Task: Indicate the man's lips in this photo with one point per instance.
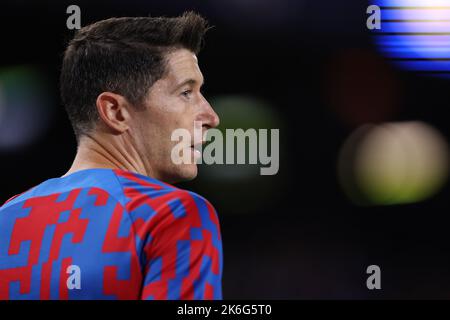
(197, 146)
(196, 149)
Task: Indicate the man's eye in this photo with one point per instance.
(186, 93)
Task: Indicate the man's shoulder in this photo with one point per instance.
(81, 183)
(135, 185)
(146, 196)
(138, 194)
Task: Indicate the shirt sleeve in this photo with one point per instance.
(183, 251)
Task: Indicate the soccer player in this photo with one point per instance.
(113, 227)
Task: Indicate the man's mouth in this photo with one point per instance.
(196, 149)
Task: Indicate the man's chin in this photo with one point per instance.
(185, 172)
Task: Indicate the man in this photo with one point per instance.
(111, 227)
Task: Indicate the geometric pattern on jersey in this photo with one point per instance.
(130, 236)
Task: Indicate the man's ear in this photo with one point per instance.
(113, 110)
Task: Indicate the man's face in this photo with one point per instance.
(174, 102)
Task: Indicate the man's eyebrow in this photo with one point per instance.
(189, 82)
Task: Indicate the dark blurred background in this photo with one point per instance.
(363, 142)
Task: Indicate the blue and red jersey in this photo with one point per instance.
(109, 234)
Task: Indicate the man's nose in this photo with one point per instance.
(209, 117)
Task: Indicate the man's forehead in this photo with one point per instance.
(182, 64)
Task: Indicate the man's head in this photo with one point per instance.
(136, 80)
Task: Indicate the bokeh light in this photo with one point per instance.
(361, 87)
(415, 34)
(243, 112)
(2, 102)
(25, 106)
(393, 163)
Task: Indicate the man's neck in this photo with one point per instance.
(94, 151)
